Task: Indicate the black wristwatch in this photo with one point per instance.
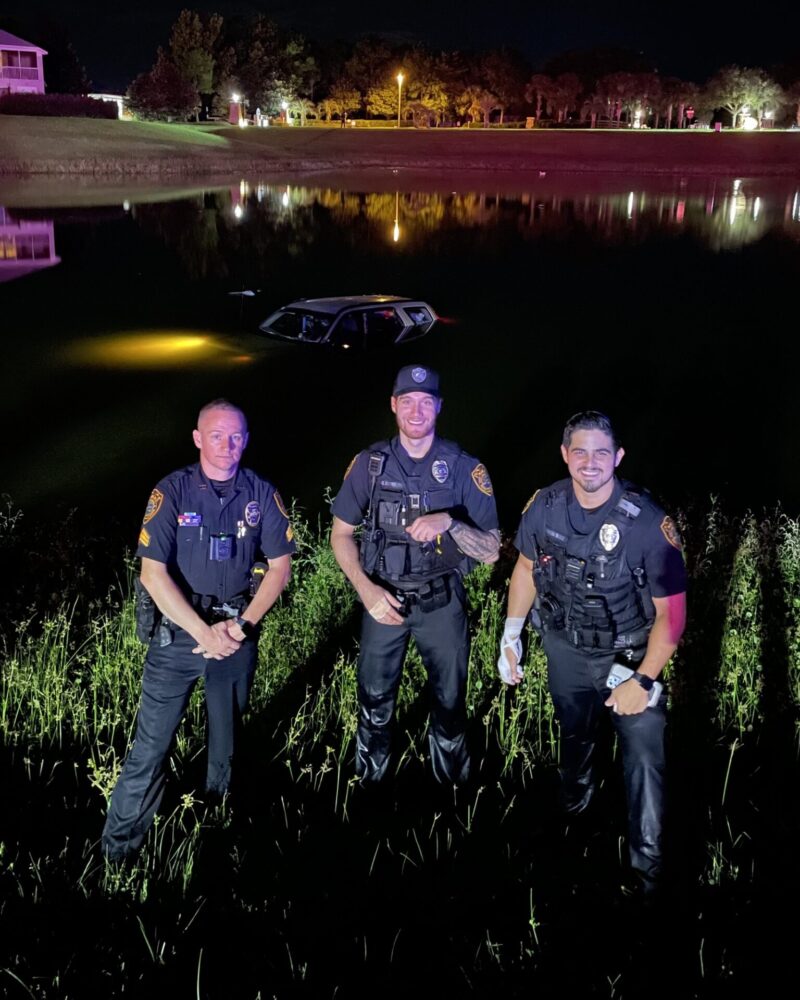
(247, 627)
(643, 680)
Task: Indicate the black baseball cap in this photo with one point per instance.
(416, 378)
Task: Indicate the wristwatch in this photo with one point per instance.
(247, 627)
(643, 680)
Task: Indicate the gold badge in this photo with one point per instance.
(144, 537)
(481, 479)
(528, 504)
(153, 505)
(289, 533)
(670, 532)
(349, 468)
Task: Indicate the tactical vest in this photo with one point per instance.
(396, 501)
(585, 586)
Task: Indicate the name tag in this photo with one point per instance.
(190, 520)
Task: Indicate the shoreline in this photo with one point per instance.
(109, 149)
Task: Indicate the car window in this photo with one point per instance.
(348, 332)
(383, 326)
(418, 315)
(301, 325)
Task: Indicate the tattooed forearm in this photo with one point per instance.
(481, 545)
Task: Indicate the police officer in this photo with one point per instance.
(428, 513)
(204, 529)
(601, 566)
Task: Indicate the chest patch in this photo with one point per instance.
(252, 514)
(190, 519)
(439, 470)
(609, 536)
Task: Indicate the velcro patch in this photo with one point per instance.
(153, 505)
(671, 533)
(481, 479)
(144, 537)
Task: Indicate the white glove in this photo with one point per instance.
(511, 640)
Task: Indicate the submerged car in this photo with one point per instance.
(352, 321)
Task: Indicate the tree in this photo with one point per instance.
(369, 66)
(738, 89)
(163, 92)
(191, 45)
(382, 100)
(538, 92)
(563, 95)
(793, 100)
(503, 73)
(342, 98)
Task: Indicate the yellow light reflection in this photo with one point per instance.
(155, 349)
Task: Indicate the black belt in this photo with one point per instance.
(212, 609)
(590, 638)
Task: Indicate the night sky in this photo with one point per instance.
(687, 40)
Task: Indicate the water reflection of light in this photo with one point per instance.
(238, 211)
(154, 349)
(285, 198)
(796, 207)
(630, 205)
(756, 208)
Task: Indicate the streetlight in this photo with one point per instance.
(399, 95)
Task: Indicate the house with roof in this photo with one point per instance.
(21, 68)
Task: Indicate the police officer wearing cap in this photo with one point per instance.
(204, 530)
(601, 568)
(427, 513)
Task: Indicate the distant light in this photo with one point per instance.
(749, 123)
(769, 114)
(242, 123)
(285, 105)
(396, 233)
(238, 211)
(756, 208)
(235, 98)
(126, 206)
(285, 199)
(400, 79)
(630, 205)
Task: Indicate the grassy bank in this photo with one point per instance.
(298, 886)
(83, 146)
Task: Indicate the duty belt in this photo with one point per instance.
(211, 609)
(430, 596)
(588, 637)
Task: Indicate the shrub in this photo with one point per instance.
(57, 106)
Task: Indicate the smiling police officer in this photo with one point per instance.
(428, 514)
(204, 530)
(601, 565)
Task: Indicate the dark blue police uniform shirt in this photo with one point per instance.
(653, 542)
(468, 480)
(184, 513)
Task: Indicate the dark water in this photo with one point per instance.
(670, 304)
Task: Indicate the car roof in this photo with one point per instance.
(337, 304)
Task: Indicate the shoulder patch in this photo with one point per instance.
(289, 533)
(527, 506)
(349, 468)
(279, 504)
(670, 531)
(144, 537)
(153, 505)
(481, 479)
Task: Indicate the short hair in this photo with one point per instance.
(589, 420)
(221, 404)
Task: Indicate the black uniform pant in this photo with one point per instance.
(443, 643)
(578, 687)
(170, 674)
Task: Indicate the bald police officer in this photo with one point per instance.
(427, 513)
(204, 529)
(601, 565)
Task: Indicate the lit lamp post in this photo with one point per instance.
(399, 96)
(285, 106)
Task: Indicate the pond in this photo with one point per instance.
(666, 302)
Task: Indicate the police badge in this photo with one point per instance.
(609, 537)
(419, 374)
(440, 471)
(252, 514)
